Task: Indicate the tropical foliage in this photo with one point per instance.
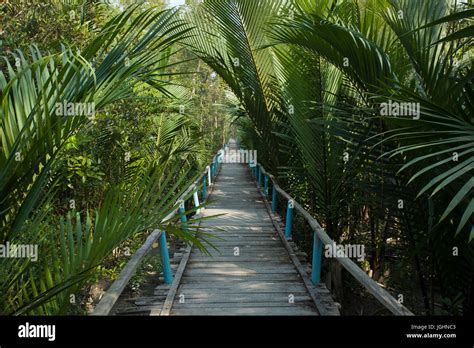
(77, 187)
(363, 110)
(312, 77)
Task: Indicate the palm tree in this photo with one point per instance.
(131, 50)
(311, 77)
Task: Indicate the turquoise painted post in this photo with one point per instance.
(317, 258)
(265, 186)
(204, 188)
(165, 259)
(289, 219)
(182, 214)
(274, 199)
(259, 177)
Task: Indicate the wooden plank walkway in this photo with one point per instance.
(252, 272)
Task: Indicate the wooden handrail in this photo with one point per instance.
(111, 296)
(383, 296)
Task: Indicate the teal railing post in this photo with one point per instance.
(274, 199)
(165, 259)
(289, 219)
(204, 188)
(259, 177)
(317, 258)
(265, 185)
(183, 217)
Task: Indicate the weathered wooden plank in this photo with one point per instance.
(236, 297)
(231, 292)
(226, 247)
(237, 271)
(241, 258)
(235, 213)
(231, 305)
(243, 252)
(256, 286)
(241, 228)
(244, 243)
(231, 277)
(239, 239)
(248, 266)
(239, 298)
(237, 234)
(166, 308)
(254, 311)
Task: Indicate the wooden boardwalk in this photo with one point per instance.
(252, 272)
(255, 269)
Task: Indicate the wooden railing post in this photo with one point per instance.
(165, 259)
(274, 199)
(317, 259)
(289, 219)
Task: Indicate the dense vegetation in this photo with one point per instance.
(306, 83)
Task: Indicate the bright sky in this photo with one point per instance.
(176, 2)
